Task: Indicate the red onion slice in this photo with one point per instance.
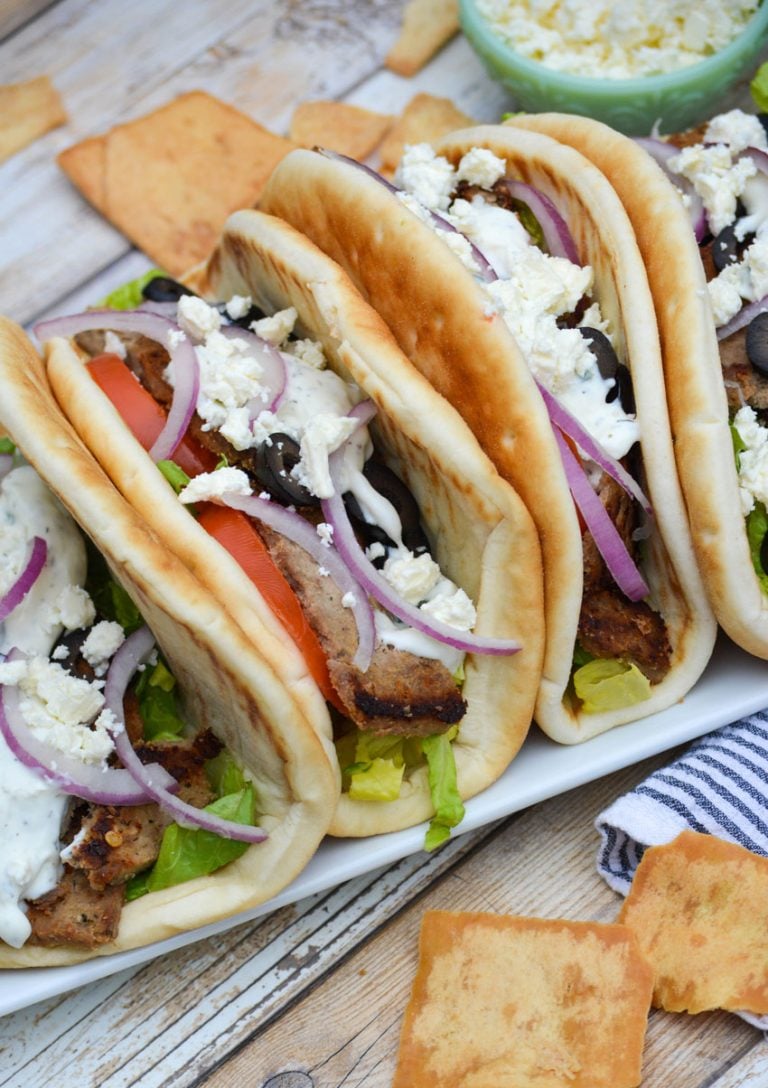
(743, 317)
(301, 532)
(125, 662)
(374, 583)
(275, 371)
(661, 152)
(184, 364)
(34, 564)
(605, 534)
(100, 785)
(569, 425)
(558, 237)
(758, 157)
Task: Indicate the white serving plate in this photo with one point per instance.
(733, 685)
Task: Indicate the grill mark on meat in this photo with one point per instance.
(610, 625)
(75, 913)
(400, 693)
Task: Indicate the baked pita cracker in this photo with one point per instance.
(427, 26)
(527, 1002)
(694, 379)
(699, 907)
(350, 130)
(27, 110)
(226, 686)
(440, 317)
(484, 539)
(425, 118)
(169, 180)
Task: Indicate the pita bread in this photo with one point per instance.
(226, 685)
(695, 392)
(439, 316)
(27, 111)
(484, 538)
(526, 1002)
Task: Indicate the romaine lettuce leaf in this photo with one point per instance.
(449, 809)
(759, 87)
(156, 693)
(129, 295)
(757, 527)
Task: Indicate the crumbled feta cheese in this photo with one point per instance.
(277, 328)
(238, 306)
(411, 576)
(717, 178)
(617, 39)
(72, 608)
(753, 461)
(175, 337)
(323, 434)
(11, 672)
(323, 572)
(481, 167)
(744, 281)
(428, 177)
(497, 232)
(461, 248)
(59, 708)
(737, 129)
(114, 345)
(325, 531)
(60, 653)
(212, 485)
(102, 642)
(309, 352)
(349, 600)
(375, 550)
(454, 608)
(196, 317)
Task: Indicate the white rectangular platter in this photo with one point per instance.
(733, 686)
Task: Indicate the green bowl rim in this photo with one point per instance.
(605, 86)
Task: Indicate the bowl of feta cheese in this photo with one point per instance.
(632, 65)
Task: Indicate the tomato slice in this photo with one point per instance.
(143, 416)
(233, 530)
(230, 528)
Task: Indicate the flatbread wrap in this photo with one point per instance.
(499, 232)
(707, 297)
(457, 553)
(252, 748)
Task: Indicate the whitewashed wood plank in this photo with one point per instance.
(191, 1003)
(751, 1071)
(14, 13)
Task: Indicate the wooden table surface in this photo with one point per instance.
(311, 994)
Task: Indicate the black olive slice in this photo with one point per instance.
(244, 322)
(164, 289)
(392, 488)
(725, 248)
(273, 463)
(757, 343)
(610, 367)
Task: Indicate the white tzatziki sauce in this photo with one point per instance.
(31, 812)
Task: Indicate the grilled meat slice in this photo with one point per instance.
(610, 625)
(400, 693)
(75, 913)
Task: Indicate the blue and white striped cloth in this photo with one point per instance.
(718, 786)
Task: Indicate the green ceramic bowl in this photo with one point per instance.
(677, 99)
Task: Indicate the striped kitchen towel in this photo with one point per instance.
(719, 785)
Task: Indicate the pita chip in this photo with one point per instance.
(27, 110)
(348, 129)
(699, 907)
(424, 119)
(169, 180)
(527, 1002)
(427, 26)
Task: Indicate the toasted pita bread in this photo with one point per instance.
(694, 379)
(226, 685)
(27, 111)
(483, 537)
(439, 316)
(529, 1002)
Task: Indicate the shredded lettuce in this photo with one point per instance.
(186, 853)
(129, 295)
(449, 809)
(739, 445)
(759, 87)
(530, 222)
(609, 684)
(156, 692)
(174, 474)
(6, 445)
(110, 599)
(378, 780)
(757, 527)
